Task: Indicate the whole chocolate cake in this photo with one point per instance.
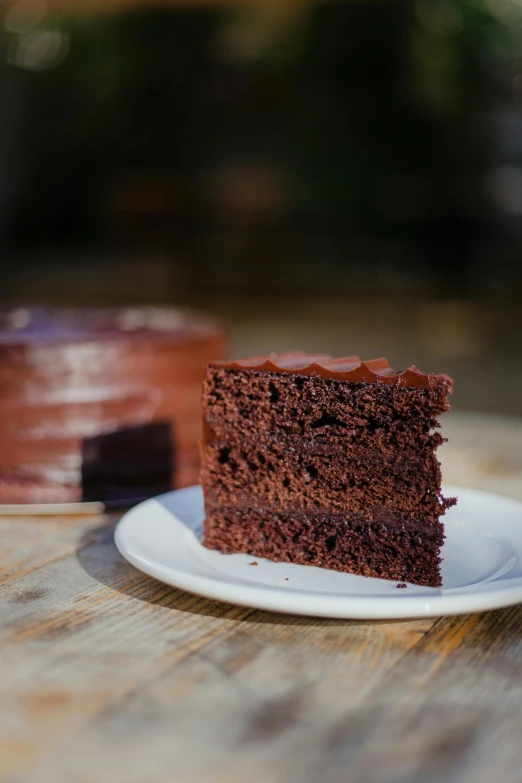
(100, 404)
(326, 462)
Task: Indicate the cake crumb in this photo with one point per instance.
(401, 584)
(254, 562)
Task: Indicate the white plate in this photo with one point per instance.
(65, 509)
(50, 509)
(482, 566)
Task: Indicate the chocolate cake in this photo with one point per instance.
(100, 404)
(326, 462)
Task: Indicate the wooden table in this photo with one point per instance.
(107, 675)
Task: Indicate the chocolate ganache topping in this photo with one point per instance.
(349, 368)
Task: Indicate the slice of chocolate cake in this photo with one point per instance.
(326, 462)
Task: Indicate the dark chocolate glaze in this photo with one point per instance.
(349, 368)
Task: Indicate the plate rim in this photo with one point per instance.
(288, 600)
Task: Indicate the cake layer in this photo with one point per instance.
(412, 439)
(73, 423)
(65, 467)
(48, 486)
(26, 490)
(63, 372)
(349, 544)
(251, 402)
(356, 480)
(117, 494)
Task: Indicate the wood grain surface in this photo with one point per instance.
(108, 675)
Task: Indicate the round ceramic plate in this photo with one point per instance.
(50, 509)
(65, 509)
(482, 567)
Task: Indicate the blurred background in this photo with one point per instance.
(336, 176)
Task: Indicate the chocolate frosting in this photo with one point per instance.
(348, 368)
(27, 325)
